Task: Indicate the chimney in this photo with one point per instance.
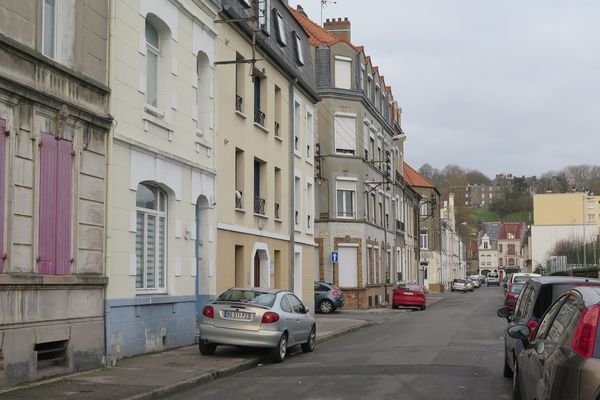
(339, 27)
(300, 9)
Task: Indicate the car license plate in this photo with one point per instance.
(237, 315)
(408, 293)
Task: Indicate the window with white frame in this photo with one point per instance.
(345, 198)
(424, 240)
(49, 28)
(297, 202)
(310, 136)
(362, 78)
(150, 237)
(297, 127)
(309, 207)
(298, 48)
(423, 209)
(343, 72)
(345, 133)
(280, 25)
(152, 57)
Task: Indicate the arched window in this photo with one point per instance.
(152, 55)
(150, 237)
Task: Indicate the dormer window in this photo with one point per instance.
(263, 15)
(280, 28)
(299, 54)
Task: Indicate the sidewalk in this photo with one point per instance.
(158, 375)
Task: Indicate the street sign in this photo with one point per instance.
(334, 256)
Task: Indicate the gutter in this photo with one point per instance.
(291, 191)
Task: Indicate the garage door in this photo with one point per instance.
(347, 266)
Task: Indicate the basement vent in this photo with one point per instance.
(51, 354)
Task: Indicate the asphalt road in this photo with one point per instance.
(453, 350)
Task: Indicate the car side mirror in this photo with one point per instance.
(306, 309)
(520, 332)
(540, 347)
(504, 312)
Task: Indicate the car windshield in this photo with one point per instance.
(516, 289)
(459, 281)
(248, 296)
(409, 286)
(520, 278)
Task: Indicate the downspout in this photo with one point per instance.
(108, 182)
(291, 194)
(197, 254)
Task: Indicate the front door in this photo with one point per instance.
(256, 270)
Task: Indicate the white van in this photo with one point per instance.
(493, 279)
(521, 277)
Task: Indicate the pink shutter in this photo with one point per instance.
(2, 174)
(47, 225)
(64, 195)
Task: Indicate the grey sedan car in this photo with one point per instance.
(255, 317)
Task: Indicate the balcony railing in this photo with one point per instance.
(277, 126)
(238, 103)
(259, 206)
(259, 117)
(399, 226)
(277, 207)
(239, 203)
(345, 214)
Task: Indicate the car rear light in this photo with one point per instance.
(584, 338)
(208, 312)
(336, 293)
(269, 317)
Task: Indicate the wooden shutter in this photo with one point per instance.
(56, 186)
(2, 183)
(47, 217)
(64, 195)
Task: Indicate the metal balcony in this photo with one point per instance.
(259, 206)
(259, 117)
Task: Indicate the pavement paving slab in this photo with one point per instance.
(158, 375)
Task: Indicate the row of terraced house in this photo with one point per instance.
(155, 153)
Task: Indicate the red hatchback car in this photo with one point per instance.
(409, 295)
(510, 300)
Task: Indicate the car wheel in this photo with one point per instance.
(394, 306)
(423, 308)
(516, 386)
(207, 348)
(310, 344)
(277, 354)
(326, 306)
(452, 290)
(508, 372)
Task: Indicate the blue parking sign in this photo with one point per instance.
(334, 256)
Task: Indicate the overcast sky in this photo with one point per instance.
(496, 85)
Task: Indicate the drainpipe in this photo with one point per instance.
(291, 161)
(108, 181)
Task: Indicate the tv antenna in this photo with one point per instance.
(323, 5)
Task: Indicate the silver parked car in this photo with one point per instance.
(255, 317)
(459, 285)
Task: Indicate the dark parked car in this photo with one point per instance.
(562, 360)
(535, 298)
(328, 297)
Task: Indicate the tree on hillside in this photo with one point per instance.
(427, 171)
(475, 177)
